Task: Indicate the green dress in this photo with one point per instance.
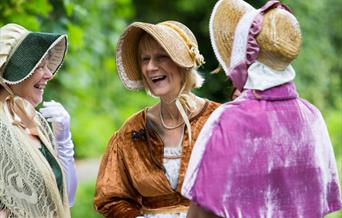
(54, 166)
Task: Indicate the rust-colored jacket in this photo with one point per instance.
(131, 179)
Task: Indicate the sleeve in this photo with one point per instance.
(114, 195)
(65, 154)
(66, 158)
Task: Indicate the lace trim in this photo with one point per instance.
(129, 84)
(171, 164)
(33, 193)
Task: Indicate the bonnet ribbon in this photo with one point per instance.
(22, 113)
(238, 72)
(182, 112)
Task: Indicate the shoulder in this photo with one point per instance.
(42, 122)
(212, 105)
(208, 108)
(135, 121)
(45, 128)
(134, 124)
(4, 130)
(5, 126)
(6, 135)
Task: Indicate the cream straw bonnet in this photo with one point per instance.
(279, 39)
(21, 51)
(177, 40)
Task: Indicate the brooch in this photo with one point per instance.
(138, 135)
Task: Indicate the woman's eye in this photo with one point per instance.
(162, 57)
(39, 68)
(145, 59)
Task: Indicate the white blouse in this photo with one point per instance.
(171, 162)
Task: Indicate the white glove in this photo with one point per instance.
(55, 113)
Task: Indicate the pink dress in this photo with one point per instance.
(267, 154)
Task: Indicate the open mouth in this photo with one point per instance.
(39, 86)
(156, 79)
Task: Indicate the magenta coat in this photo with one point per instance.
(266, 154)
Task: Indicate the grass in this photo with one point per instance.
(83, 206)
(337, 214)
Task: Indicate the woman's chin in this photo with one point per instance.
(36, 102)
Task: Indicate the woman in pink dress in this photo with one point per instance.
(267, 153)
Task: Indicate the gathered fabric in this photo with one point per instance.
(266, 154)
(28, 186)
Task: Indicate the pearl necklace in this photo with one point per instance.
(169, 127)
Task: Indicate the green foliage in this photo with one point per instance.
(316, 60)
(83, 206)
(87, 83)
(89, 88)
(334, 122)
(337, 214)
(23, 12)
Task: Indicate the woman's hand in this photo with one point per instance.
(55, 113)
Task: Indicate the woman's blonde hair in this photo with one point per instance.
(191, 77)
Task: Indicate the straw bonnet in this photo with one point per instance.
(174, 37)
(279, 40)
(21, 51)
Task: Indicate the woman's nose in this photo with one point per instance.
(47, 73)
(152, 65)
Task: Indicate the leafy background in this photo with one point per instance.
(89, 88)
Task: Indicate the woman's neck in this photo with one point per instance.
(169, 111)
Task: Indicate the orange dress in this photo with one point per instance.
(132, 180)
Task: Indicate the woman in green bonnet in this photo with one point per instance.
(37, 170)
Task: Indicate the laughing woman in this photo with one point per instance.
(37, 170)
(143, 168)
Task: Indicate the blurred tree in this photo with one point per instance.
(97, 101)
(86, 84)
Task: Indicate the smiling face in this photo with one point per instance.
(32, 88)
(162, 76)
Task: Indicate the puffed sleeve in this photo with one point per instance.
(114, 195)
